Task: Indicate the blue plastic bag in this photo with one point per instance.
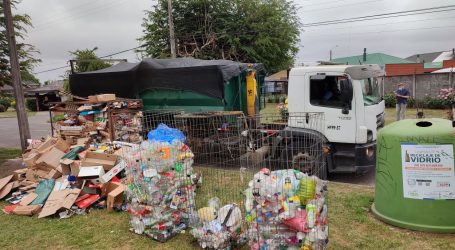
(163, 133)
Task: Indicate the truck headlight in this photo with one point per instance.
(369, 135)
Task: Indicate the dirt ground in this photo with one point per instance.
(9, 166)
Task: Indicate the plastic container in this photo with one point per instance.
(415, 183)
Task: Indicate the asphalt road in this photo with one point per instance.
(9, 131)
(365, 179)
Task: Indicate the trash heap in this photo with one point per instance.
(77, 169)
(218, 227)
(286, 209)
(161, 185)
(103, 118)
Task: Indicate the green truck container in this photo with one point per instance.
(415, 183)
(235, 98)
(186, 84)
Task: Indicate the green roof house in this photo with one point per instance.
(373, 58)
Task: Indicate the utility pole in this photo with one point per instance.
(22, 119)
(330, 56)
(171, 28)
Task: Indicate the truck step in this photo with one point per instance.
(345, 154)
(343, 169)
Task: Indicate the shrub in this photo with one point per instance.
(390, 100)
(436, 103)
(277, 98)
(2, 108)
(30, 103)
(5, 102)
(411, 102)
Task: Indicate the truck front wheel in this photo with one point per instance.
(308, 159)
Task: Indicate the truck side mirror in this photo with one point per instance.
(346, 95)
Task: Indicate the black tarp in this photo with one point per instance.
(128, 80)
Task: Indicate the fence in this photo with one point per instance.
(422, 85)
(254, 184)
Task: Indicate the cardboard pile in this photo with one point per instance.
(65, 179)
(103, 118)
(68, 174)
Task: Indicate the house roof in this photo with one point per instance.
(427, 57)
(372, 58)
(433, 56)
(25, 84)
(279, 76)
(53, 87)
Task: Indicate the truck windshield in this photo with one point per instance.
(370, 90)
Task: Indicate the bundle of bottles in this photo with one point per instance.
(286, 209)
(161, 185)
(218, 227)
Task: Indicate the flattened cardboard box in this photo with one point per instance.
(28, 199)
(30, 158)
(100, 159)
(62, 145)
(51, 158)
(113, 172)
(27, 210)
(105, 97)
(46, 146)
(58, 200)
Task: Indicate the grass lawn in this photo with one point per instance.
(9, 153)
(390, 114)
(352, 226)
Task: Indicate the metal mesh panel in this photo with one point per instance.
(259, 169)
(290, 141)
(285, 204)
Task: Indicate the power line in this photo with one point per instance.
(376, 18)
(378, 24)
(101, 57)
(383, 15)
(343, 5)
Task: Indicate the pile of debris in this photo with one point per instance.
(103, 118)
(80, 167)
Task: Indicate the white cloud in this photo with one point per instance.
(114, 25)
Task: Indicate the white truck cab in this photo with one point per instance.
(349, 98)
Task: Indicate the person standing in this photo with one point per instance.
(402, 95)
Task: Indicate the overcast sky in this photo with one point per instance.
(114, 25)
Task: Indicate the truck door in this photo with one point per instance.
(325, 96)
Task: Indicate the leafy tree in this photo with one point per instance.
(87, 60)
(26, 52)
(265, 31)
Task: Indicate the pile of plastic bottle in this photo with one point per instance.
(161, 184)
(217, 227)
(286, 209)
